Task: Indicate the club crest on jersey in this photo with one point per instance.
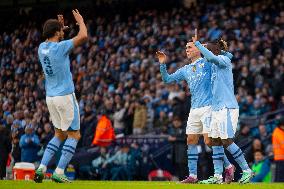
(194, 68)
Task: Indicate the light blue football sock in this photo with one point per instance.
(51, 148)
(238, 156)
(218, 158)
(68, 151)
(192, 157)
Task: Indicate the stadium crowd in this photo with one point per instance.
(116, 73)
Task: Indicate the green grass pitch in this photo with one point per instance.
(129, 185)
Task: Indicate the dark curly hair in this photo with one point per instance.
(217, 45)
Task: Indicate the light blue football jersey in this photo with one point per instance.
(222, 79)
(198, 77)
(54, 59)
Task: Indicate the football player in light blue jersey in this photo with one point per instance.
(225, 110)
(60, 98)
(198, 77)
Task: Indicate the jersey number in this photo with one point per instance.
(48, 68)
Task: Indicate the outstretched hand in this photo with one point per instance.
(194, 39)
(61, 21)
(78, 17)
(161, 56)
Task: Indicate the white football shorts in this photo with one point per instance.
(199, 120)
(64, 112)
(224, 123)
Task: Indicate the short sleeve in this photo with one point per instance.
(65, 46)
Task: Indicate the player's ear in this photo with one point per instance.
(57, 33)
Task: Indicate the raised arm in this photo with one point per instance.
(82, 35)
(60, 18)
(168, 78)
(218, 60)
(227, 54)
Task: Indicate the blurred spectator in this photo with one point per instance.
(162, 121)
(9, 122)
(96, 170)
(243, 137)
(140, 117)
(256, 146)
(136, 152)
(181, 106)
(278, 150)
(246, 106)
(118, 122)
(121, 164)
(16, 150)
(179, 151)
(47, 134)
(150, 112)
(128, 117)
(104, 133)
(88, 118)
(97, 164)
(261, 168)
(265, 138)
(17, 132)
(5, 148)
(29, 144)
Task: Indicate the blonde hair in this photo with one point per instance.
(223, 44)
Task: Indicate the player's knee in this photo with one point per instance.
(60, 135)
(192, 139)
(227, 142)
(78, 136)
(74, 134)
(208, 142)
(216, 142)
